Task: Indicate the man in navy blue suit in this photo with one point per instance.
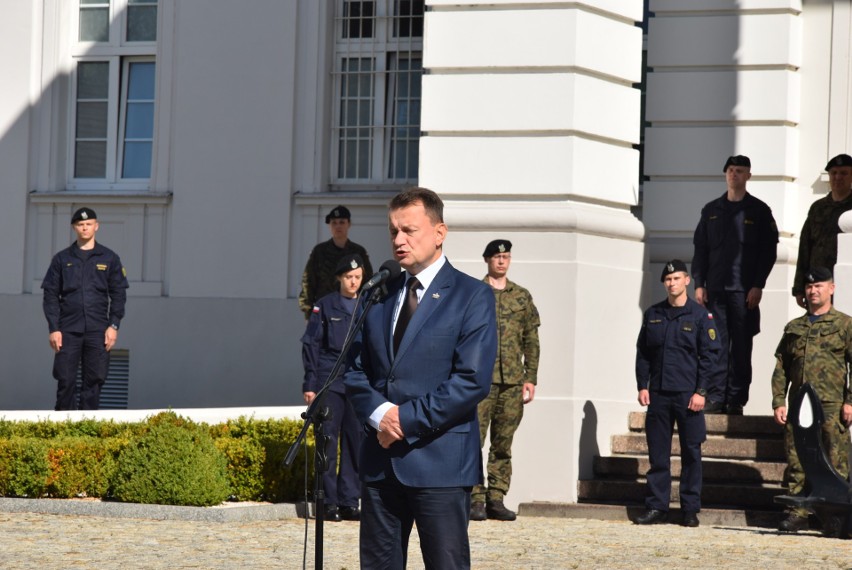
(426, 362)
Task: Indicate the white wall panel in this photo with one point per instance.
(532, 38)
(528, 102)
(754, 95)
(628, 9)
(725, 40)
(529, 166)
(681, 6)
(701, 151)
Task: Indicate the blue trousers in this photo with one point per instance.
(88, 351)
(391, 508)
(342, 487)
(665, 410)
(736, 325)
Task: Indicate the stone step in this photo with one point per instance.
(737, 517)
(719, 447)
(712, 494)
(720, 424)
(743, 471)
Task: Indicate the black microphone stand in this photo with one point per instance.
(316, 414)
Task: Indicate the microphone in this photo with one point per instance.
(388, 270)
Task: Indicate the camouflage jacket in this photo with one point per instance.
(818, 240)
(318, 277)
(517, 334)
(817, 353)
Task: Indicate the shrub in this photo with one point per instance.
(245, 467)
(25, 470)
(81, 466)
(172, 465)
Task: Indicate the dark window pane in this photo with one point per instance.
(94, 24)
(142, 23)
(408, 18)
(93, 80)
(137, 160)
(91, 120)
(358, 18)
(90, 160)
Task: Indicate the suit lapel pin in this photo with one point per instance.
(436, 295)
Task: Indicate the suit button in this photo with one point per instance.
(390, 379)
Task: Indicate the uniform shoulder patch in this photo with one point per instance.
(712, 333)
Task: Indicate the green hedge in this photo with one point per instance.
(167, 459)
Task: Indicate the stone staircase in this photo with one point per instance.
(743, 460)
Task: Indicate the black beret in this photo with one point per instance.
(83, 214)
(673, 266)
(738, 160)
(818, 275)
(340, 212)
(348, 263)
(497, 246)
(839, 160)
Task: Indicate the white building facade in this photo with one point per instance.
(212, 138)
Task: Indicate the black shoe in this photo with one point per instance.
(713, 407)
(496, 511)
(332, 514)
(793, 523)
(734, 410)
(350, 513)
(652, 516)
(477, 511)
(832, 527)
(690, 519)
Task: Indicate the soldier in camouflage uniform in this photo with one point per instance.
(818, 240)
(815, 348)
(513, 382)
(318, 279)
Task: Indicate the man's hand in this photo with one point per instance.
(56, 341)
(109, 338)
(755, 294)
(644, 397)
(696, 403)
(846, 414)
(389, 429)
(309, 396)
(528, 392)
(781, 415)
(801, 300)
(701, 296)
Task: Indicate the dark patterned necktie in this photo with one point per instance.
(409, 305)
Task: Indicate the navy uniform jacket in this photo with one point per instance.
(678, 348)
(84, 296)
(719, 268)
(441, 372)
(322, 342)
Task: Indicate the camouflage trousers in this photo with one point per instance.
(503, 410)
(835, 441)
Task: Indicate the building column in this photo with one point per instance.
(530, 124)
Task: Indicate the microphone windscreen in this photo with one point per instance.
(393, 268)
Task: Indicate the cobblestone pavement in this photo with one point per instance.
(47, 541)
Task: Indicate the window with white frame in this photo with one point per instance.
(113, 86)
(377, 76)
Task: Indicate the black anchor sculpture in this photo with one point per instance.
(827, 495)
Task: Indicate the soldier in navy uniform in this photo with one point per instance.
(85, 289)
(735, 249)
(321, 345)
(677, 355)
